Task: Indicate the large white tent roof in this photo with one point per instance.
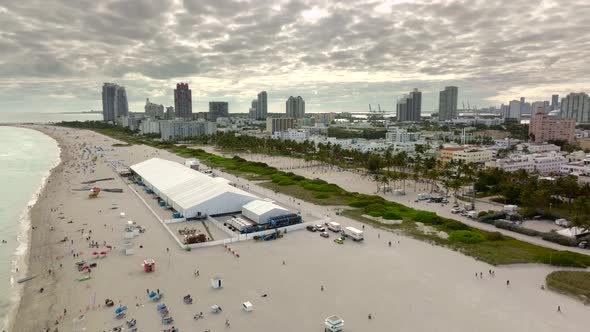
(183, 185)
(260, 207)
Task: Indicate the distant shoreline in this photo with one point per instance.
(82, 112)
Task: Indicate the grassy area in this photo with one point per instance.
(493, 248)
(572, 283)
(490, 247)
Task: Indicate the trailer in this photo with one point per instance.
(334, 226)
(353, 233)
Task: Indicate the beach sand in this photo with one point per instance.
(410, 286)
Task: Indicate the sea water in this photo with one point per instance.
(26, 157)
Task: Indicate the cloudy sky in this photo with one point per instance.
(340, 55)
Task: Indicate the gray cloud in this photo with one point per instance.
(339, 55)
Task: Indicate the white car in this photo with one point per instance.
(456, 210)
(319, 228)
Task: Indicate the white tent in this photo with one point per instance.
(188, 191)
(573, 232)
(260, 211)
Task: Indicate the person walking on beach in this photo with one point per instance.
(158, 291)
(322, 288)
(559, 309)
(147, 291)
(390, 243)
(507, 283)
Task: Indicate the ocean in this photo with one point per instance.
(26, 157)
(46, 117)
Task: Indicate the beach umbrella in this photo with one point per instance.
(110, 247)
(153, 294)
(104, 253)
(94, 253)
(85, 267)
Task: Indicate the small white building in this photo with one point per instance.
(543, 163)
(260, 211)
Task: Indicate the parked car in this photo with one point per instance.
(320, 228)
(311, 228)
(339, 240)
(456, 210)
(324, 234)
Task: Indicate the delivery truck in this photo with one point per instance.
(334, 226)
(353, 233)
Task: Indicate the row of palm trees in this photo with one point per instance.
(386, 167)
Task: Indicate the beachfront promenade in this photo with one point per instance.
(411, 285)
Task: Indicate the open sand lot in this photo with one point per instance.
(410, 286)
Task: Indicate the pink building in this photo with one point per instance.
(543, 128)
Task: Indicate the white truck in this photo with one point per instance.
(334, 226)
(353, 233)
(471, 214)
(510, 208)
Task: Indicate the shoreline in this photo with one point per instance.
(27, 220)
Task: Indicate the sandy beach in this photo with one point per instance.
(408, 286)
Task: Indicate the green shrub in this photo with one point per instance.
(467, 237)
(391, 215)
(286, 182)
(490, 218)
(495, 236)
(455, 225)
(375, 214)
(320, 195)
(428, 218)
(375, 207)
(565, 258)
(558, 238)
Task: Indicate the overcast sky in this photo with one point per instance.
(339, 55)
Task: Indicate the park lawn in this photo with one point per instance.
(572, 283)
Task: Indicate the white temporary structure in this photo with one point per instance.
(190, 192)
(247, 306)
(260, 211)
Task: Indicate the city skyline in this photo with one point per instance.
(336, 58)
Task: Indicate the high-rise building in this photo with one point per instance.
(576, 106)
(261, 106)
(514, 110)
(153, 110)
(121, 104)
(295, 107)
(252, 111)
(279, 124)
(218, 109)
(409, 107)
(174, 129)
(183, 103)
(543, 128)
(447, 103)
(554, 102)
(108, 101)
(114, 102)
